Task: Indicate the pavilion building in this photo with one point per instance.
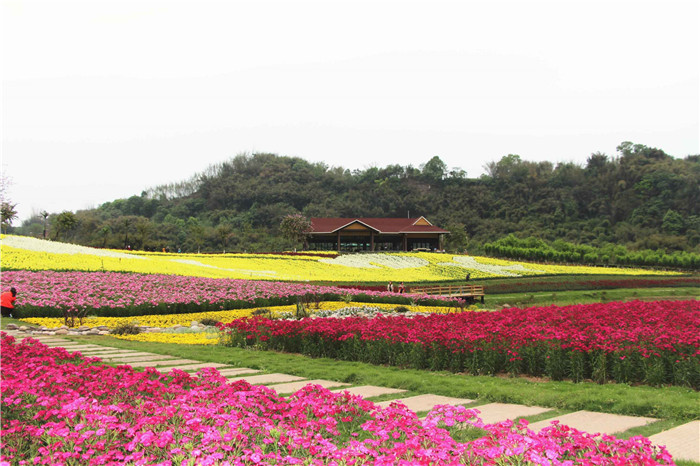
(375, 234)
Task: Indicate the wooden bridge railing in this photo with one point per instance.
(450, 290)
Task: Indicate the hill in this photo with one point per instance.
(642, 198)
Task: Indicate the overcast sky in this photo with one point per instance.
(103, 99)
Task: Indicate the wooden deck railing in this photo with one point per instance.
(449, 290)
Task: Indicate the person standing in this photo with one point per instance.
(401, 288)
(390, 287)
(7, 302)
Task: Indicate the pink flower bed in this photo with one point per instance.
(45, 293)
(650, 342)
(59, 408)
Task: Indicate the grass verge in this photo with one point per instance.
(673, 403)
(563, 298)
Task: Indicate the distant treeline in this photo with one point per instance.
(641, 199)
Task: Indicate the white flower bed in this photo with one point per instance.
(40, 245)
(471, 263)
(373, 261)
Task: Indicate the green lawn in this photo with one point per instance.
(563, 298)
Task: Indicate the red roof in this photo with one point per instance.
(380, 225)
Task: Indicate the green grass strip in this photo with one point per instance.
(673, 403)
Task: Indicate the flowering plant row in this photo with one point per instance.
(647, 342)
(48, 294)
(60, 409)
(23, 253)
(171, 320)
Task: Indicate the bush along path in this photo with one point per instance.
(97, 431)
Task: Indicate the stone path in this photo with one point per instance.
(499, 412)
(683, 442)
(267, 378)
(420, 403)
(591, 422)
(369, 391)
(291, 387)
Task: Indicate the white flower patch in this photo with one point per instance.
(373, 261)
(244, 271)
(471, 263)
(40, 245)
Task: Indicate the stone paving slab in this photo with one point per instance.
(169, 362)
(237, 371)
(50, 341)
(106, 350)
(82, 348)
(267, 379)
(426, 402)
(682, 442)
(110, 352)
(142, 358)
(499, 412)
(291, 387)
(591, 422)
(62, 344)
(368, 391)
(132, 355)
(193, 367)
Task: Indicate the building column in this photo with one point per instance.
(405, 242)
(338, 242)
(371, 241)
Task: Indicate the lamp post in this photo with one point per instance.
(44, 214)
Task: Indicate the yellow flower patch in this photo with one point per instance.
(33, 254)
(171, 320)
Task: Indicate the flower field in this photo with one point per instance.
(641, 342)
(104, 294)
(23, 253)
(171, 320)
(60, 409)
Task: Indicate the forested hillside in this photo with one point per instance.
(641, 198)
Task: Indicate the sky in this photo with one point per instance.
(104, 99)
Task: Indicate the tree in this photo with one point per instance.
(672, 222)
(8, 210)
(143, 231)
(64, 222)
(196, 231)
(224, 233)
(296, 227)
(457, 240)
(435, 169)
(9, 214)
(104, 233)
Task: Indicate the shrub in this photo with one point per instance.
(209, 322)
(126, 329)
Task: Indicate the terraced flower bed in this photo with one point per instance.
(639, 342)
(59, 408)
(23, 253)
(110, 294)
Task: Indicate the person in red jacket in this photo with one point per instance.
(7, 302)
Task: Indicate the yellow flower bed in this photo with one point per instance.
(33, 254)
(171, 320)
